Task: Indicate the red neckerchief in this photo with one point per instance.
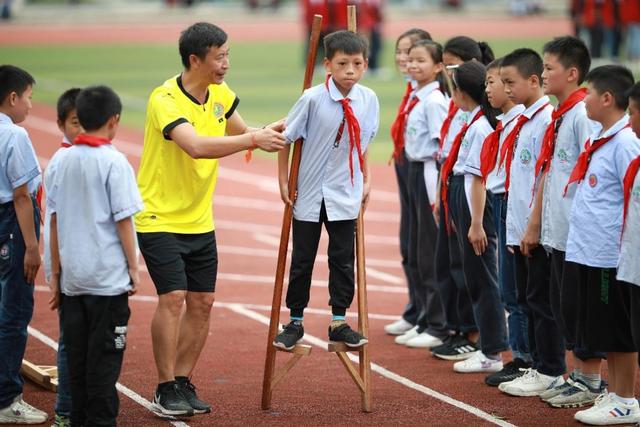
(354, 131)
(401, 125)
(628, 181)
(65, 144)
(509, 145)
(398, 125)
(549, 140)
(92, 141)
(447, 167)
(580, 169)
(489, 151)
(444, 130)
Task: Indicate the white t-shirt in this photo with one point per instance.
(422, 133)
(629, 267)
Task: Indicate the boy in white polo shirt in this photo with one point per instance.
(593, 246)
(92, 200)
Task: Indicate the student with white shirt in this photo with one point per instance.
(494, 178)
(94, 267)
(337, 120)
(425, 112)
(566, 64)
(521, 73)
(464, 198)
(412, 310)
(593, 245)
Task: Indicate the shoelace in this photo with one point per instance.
(530, 374)
(602, 399)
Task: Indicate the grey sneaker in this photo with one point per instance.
(20, 412)
(576, 396)
(550, 393)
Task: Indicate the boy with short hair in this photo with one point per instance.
(521, 72)
(69, 125)
(566, 63)
(94, 266)
(593, 245)
(19, 231)
(337, 120)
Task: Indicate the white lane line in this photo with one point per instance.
(120, 387)
(385, 372)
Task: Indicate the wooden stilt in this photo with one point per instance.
(44, 376)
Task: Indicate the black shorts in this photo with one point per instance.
(180, 262)
(635, 313)
(603, 306)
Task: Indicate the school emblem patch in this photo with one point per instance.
(4, 251)
(593, 180)
(563, 157)
(218, 110)
(464, 143)
(525, 156)
(635, 194)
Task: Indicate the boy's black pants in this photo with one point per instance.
(306, 236)
(95, 329)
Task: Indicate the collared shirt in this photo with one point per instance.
(629, 267)
(324, 166)
(522, 173)
(497, 177)
(459, 119)
(595, 222)
(424, 122)
(18, 160)
(93, 188)
(469, 155)
(572, 134)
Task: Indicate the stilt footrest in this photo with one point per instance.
(44, 376)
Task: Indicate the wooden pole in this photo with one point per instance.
(286, 228)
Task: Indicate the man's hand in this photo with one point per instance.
(530, 240)
(477, 238)
(268, 140)
(134, 274)
(31, 263)
(278, 126)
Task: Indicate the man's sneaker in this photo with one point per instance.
(188, 390)
(20, 412)
(424, 340)
(411, 333)
(576, 396)
(459, 348)
(170, 401)
(477, 363)
(532, 383)
(345, 334)
(290, 336)
(607, 411)
(398, 327)
(552, 392)
(61, 421)
(509, 372)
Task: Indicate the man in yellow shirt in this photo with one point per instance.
(191, 122)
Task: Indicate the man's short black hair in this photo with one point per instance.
(527, 61)
(634, 94)
(615, 79)
(96, 105)
(198, 38)
(571, 52)
(13, 79)
(344, 41)
(67, 103)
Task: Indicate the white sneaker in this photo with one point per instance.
(398, 327)
(607, 411)
(478, 363)
(532, 383)
(402, 339)
(20, 412)
(424, 340)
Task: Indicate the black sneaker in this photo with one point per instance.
(446, 342)
(188, 390)
(459, 348)
(290, 336)
(170, 401)
(510, 372)
(345, 334)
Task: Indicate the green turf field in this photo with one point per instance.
(266, 76)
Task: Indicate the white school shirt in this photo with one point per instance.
(522, 173)
(469, 158)
(497, 177)
(573, 132)
(93, 188)
(459, 119)
(424, 122)
(595, 223)
(18, 160)
(324, 168)
(628, 266)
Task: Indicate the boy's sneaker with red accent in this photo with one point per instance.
(344, 333)
(608, 411)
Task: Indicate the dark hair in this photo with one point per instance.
(615, 79)
(435, 51)
(469, 78)
(496, 63)
(467, 49)
(414, 34)
(197, 39)
(67, 103)
(527, 61)
(96, 105)
(571, 52)
(13, 79)
(344, 41)
(634, 93)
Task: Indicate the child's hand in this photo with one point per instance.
(284, 193)
(269, 140)
(531, 240)
(477, 238)
(135, 279)
(32, 262)
(366, 193)
(54, 287)
(278, 126)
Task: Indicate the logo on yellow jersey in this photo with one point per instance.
(218, 110)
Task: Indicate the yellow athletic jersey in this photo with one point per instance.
(177, 190)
